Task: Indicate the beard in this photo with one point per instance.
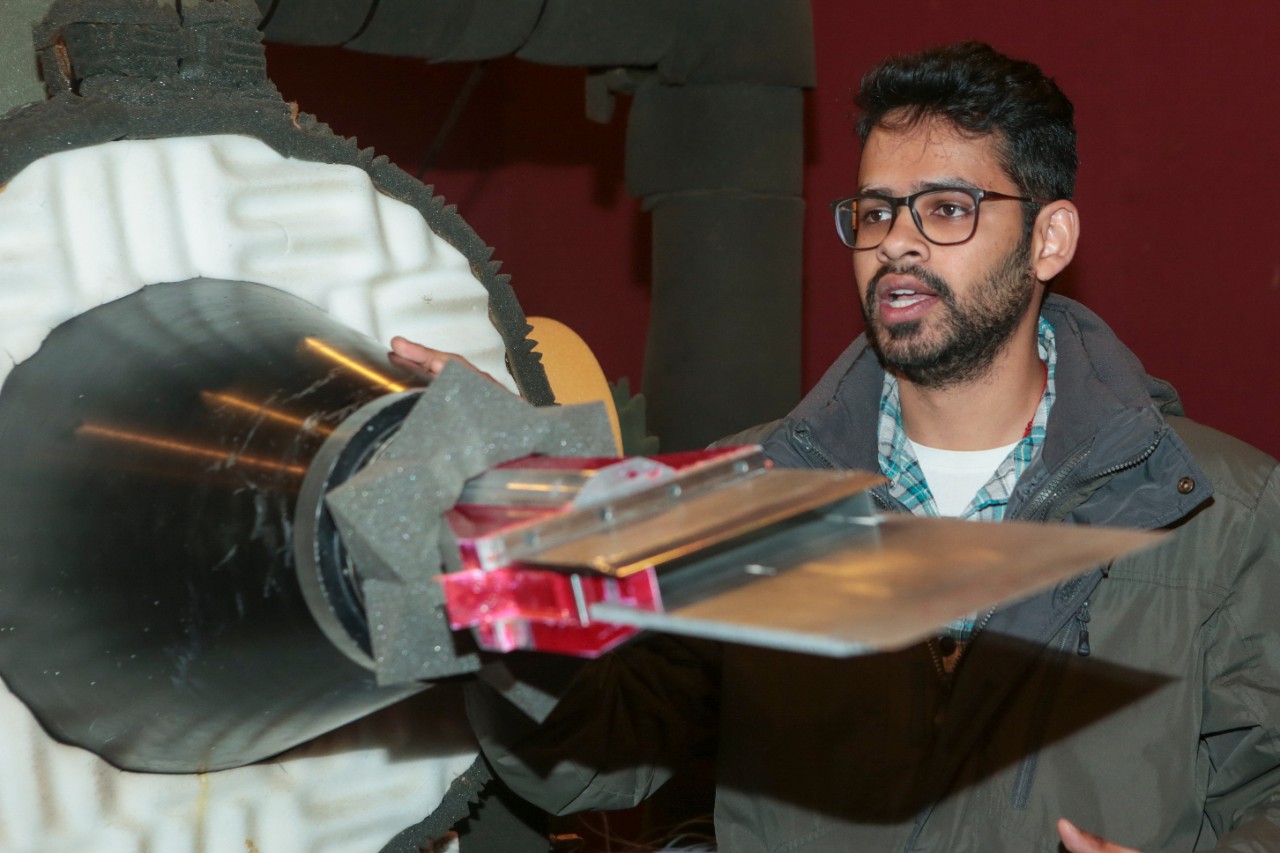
(967, 336)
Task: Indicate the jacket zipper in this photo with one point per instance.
(809, 449)
(936, 653)
(1038, 508)
(1048, 496)
(982, 623)
(1053, 490)
(818, 459)
(1082, 620)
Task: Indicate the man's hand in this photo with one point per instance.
(416, 357)
(1077, 840)
(426, 360)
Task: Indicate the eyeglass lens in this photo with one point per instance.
(944, 216)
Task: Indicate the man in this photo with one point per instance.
(1140, 701)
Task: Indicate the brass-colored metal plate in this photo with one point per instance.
(840, 587)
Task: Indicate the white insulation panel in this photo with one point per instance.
(347, 792)
(83, 227)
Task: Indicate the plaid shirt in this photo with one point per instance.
(907, 483)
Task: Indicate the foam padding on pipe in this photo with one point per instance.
(19, 78)
(767, 42)
(326, 22)
(449, 30)
(722, 41)
(390, 514)
(715, 137)
(636, 33)
(726, 293)
(414, 28)
(494, 28)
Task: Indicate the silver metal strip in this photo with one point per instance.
(680, 518)
(828, 587)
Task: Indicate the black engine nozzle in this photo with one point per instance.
(153, 454)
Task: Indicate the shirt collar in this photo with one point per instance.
(900, 466)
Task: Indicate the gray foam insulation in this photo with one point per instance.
(321, 22)
(740, 248)
(390, 515)
(19, 78)
(683, 138)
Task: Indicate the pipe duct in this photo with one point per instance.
(148, 521)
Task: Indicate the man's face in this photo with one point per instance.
(939, 315)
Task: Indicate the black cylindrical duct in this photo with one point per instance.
(153, 454)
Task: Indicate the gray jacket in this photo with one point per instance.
(1141, 701)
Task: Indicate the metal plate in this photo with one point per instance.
(842, 587)
(620, 546)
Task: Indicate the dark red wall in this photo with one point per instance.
(1178, 108)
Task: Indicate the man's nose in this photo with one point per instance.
(904, 237)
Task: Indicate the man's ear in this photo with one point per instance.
(1053, 242)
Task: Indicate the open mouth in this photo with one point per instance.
(903, 298)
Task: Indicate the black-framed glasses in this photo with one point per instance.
(944, 216)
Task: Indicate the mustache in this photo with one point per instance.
(935, 283)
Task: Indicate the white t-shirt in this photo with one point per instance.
(954, 476)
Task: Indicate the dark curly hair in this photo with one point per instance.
(980, 91)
